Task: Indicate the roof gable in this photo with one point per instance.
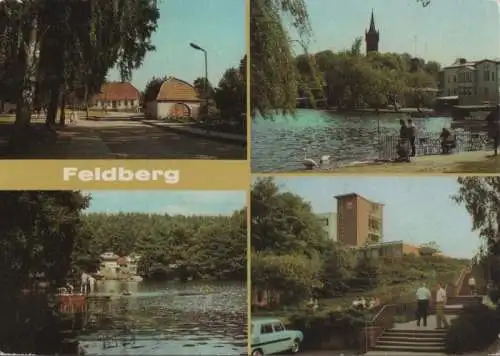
(118, 91)
(174, 89)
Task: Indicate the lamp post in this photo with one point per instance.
(205, 89)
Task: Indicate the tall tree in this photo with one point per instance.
(481, 198)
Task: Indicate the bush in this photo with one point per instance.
(335, 330)
(475, 329)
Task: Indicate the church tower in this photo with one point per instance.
(372, 37)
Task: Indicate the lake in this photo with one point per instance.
(277, 145)
(170, 318)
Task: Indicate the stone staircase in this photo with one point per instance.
(425, 341)
(409, 339)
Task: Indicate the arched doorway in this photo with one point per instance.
(180, 110)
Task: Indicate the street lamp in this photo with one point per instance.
(198, 48)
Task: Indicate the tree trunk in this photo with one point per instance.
(55, 93)
(86, 100)
(25, 101)
(62, 117)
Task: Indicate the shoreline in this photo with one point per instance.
(464, 162)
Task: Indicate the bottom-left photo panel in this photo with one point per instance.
(123, 272)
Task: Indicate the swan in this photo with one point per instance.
(309, 163)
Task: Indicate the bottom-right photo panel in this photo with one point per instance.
(360, 265)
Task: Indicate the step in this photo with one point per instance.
(410, 348)
(408, 343)
(411, 338)
(401, 353)
(417, 332)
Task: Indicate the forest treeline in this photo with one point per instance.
(199, 246)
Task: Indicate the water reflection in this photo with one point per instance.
(277, 144)
(170, 319)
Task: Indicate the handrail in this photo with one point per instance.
(460, 280)
(386, 308)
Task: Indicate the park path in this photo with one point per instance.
(124, 137)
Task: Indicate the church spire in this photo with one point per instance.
(372, 24)
(372, 36)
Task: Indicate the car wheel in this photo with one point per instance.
(295, 346)
(257, 353)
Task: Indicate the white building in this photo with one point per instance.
(475, 83)
(175, 98)
(329, 223)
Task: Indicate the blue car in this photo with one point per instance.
(270, 337)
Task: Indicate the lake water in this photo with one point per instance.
(277, 145)
(170, 319)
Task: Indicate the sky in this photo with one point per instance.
(443, 31)
(169, 202)
(417, 209)
(218, 26)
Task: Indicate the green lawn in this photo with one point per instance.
(6, 118)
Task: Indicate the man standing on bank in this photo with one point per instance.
(440, 303)
(423, 299)
(472, 285)
(412, 135)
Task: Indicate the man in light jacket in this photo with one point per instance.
(423, 299)
(440, 303)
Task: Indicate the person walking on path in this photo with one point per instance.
(440, 303)
(412, 136)
(423, 298)
(472, 285)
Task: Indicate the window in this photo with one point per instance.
(486, 91)
(493, 76)
(326, 222)
(486, 75)
(266, 329)
(449, 91)
(278, 327)
(454, 79)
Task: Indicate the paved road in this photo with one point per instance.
(126, 138)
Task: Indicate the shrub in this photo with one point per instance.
(475, 329)
(335, 330)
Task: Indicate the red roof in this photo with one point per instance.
(118, 91)
(121, 261)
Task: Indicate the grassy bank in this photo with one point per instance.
(396, 282)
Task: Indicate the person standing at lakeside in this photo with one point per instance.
(493, 120)
(412, 136)
(441, 298)
(472, 285)
(423, 299)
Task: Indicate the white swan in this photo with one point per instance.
(309, 163)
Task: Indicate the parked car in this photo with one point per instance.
(269, 336)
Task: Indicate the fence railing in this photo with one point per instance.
(428, 143)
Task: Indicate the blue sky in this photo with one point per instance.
(444, 31)
(170, 202)
(417, 209)
(215, 25)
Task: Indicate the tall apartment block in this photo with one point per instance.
(359, 220)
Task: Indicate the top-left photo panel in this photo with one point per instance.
(123, 79)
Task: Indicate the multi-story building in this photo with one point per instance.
(474, 83)
(329, 223)
(359, 220)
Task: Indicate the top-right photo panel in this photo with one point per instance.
(379, 86)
